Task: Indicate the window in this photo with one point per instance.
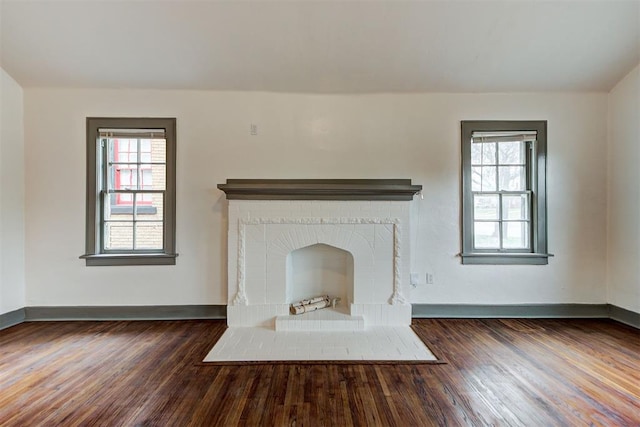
(130, 191)
(504, 192)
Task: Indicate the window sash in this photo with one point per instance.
(108, 142)
(529, 153)
(497, 167)
(105, 200)
(501, 220)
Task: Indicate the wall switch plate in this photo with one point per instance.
(429, 278)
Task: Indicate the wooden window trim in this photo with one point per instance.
(94, 254)
(538, 255)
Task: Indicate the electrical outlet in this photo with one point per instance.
(429, 278)
(253, 129)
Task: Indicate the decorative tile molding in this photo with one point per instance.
(396, 298)
(241, 296)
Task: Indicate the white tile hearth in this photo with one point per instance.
(260, 344)
(321, 320)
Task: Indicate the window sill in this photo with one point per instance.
(506, 258)
(129, 259)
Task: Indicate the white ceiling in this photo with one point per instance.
(322, 46)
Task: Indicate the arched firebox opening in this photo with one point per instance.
(320, 270)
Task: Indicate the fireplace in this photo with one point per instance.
(294, 239)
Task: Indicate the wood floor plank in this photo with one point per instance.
(511, 372)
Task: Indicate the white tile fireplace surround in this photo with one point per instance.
(295, 239)
(359, 242)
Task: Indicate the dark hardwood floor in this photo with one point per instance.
(499, 372)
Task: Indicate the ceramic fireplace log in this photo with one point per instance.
(311, 304)
(310, 300)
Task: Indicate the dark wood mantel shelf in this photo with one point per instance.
(320, 189)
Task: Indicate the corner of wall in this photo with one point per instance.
(12, 197)
(622, 278)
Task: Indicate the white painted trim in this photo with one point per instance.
(397, 298)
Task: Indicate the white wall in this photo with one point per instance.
(313, 136)
(624, 193)
(12, 274)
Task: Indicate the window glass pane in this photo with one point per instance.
(142, 199)
(489, 178)
(515, 206)
(511, 153)
(118, 235)
(128, 179)
(125, 150)
(486, 206)
(483, 178)
(159, 177)
(150, 206)
(158, 150)
(488, 153)
(123, 199)
(146, 179)
(122, 211)
(476, 178)
(145, 145)
(120, 146)
(145, 150)
(486, 235)
(515, 235)
(122, 177)
(476, 154)
(154, 177)
(149, 235)
(512, 178)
